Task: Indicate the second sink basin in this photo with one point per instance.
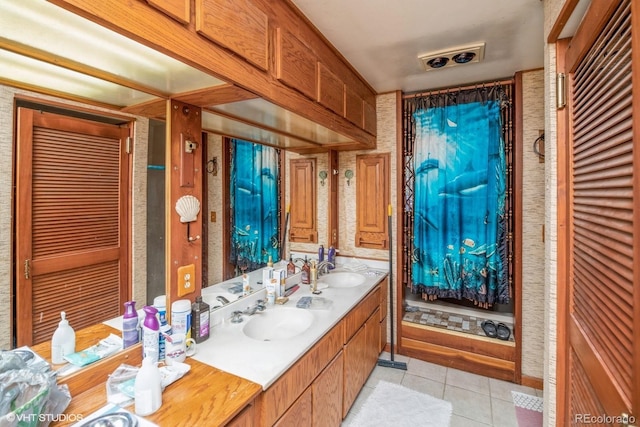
(342, 279)
(278, 324)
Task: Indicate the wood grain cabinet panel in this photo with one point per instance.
(180, 10)
(299, 414)
(296, 64)
(303, 201)
(372, 200)
(354, 107)
(372, 332)
(238, 25)
(327, 394)
(330, 89)
(370, 118)
(243, 419)
(355, 352)
(356, 317)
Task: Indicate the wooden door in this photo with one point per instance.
(602, 172)
(72, 216)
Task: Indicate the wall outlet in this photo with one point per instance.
(186, 279)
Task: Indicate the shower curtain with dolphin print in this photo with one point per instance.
(254, 204)
(459, 243)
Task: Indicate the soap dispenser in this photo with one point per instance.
(148, 388)
(63, 341)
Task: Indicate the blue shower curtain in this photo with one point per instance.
(254, 204)
(459, 244)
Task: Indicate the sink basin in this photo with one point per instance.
(343, 279)
(278, 324)
(211, 298)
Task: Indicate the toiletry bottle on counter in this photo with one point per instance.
(151, 334)
(331, 257)
(181, 317)
(200, 317)
(148, 388)
(291, 267)
(130, 330)
(305, 279)
(321, 253)
(63, 341)
(160, 303)
(270, 262)
(313, 277)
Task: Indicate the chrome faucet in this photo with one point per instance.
(258, 306)
(222, 299)
(236, 316)
(323, 267)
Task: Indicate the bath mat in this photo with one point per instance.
(528, 409)
(394, 405)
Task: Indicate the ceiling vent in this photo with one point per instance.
(451, 57)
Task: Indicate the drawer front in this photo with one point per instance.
(356, 318)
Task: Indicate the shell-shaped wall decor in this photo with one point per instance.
(188, 208)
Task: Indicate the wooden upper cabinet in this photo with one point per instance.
(372, 200)
(303, 201)
(354, 107)
(179, 10)
(370, 121)
(296, 64)
(330, 89)
(238, 25)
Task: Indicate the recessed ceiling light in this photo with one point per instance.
(438, 62)
(451, 57)
(464, 57)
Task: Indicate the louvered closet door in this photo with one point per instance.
(71, 223)
(604, 212)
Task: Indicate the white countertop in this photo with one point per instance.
(263, 362)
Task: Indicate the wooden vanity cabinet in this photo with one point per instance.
(320, 388)
(361, 346)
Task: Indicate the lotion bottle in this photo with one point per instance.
(148, 388)
(305, 279)
(63, 341)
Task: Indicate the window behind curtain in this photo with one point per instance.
(255, 201)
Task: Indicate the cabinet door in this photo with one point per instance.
(372, 331)
(298, 414)
(355, 371)
(372, 200)
(239, 25)
(296, 64)
(243, 419)
(177, 9)
(303, 203)
(327, 394)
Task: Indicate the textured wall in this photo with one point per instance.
(533, 218)
(551, 11)
(139, 202)
(215, 243)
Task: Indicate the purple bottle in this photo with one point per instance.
(151, 334)
(130, 331)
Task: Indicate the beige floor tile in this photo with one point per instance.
(423, 385)
(459, 421)
(502, 389)
(469, 404)
(391, 375)
(468, 381)
(427, 370)
(503, 413)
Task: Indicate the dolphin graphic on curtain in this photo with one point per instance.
(254, 204)
(459, 241)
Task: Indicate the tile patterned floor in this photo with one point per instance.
(452, 321)
(477, 401)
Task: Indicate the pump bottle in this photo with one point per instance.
(148, 388)
(63, 341)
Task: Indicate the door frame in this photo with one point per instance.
(81, 113)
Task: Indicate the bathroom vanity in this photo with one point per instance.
(283, 366)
